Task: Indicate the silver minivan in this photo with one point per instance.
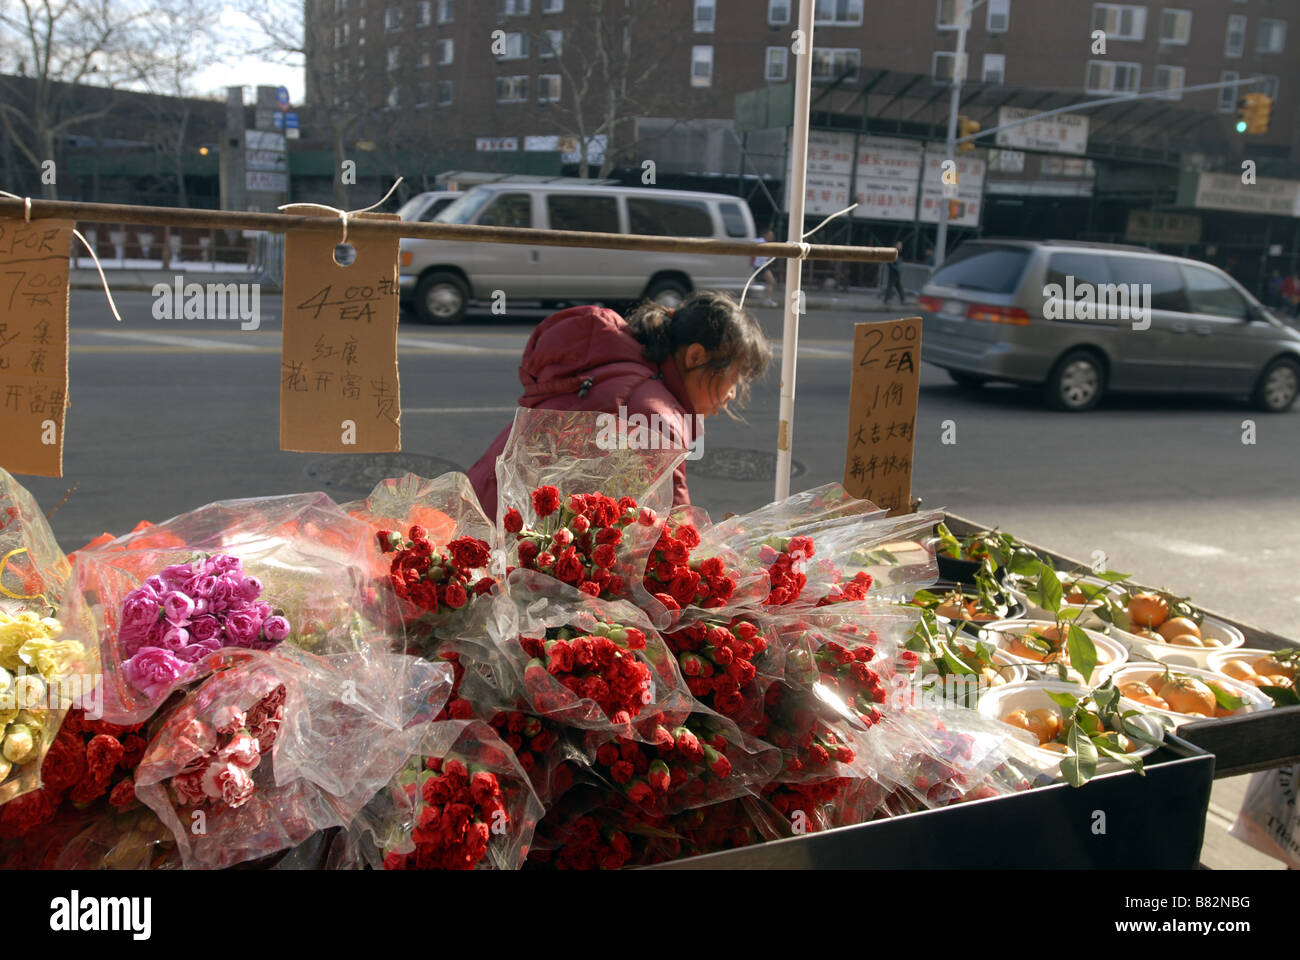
(1082, 318)
(440, 278)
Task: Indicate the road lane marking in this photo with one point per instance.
(446, 346)
(460, 409)
(170, 340)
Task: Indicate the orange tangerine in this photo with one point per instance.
(1046, 723)
(1148, 609)
(1177, 627)
(1187, 695)
(1153, 701)
(1135, 689)
(1186, 640)
(1237, 669)
(1271, 666)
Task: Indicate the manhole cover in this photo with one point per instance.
(738, 463)
(356, 475)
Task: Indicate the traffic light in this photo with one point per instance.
(1254, 112)
(968, 128)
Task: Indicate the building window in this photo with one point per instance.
(548, 88)
(552, 6)
(338, 37)
(838, 13)
(941, 67)
(422, 94)
(777, 58)
(1107, 77)
(513, 8)
(701, 66)
(446, 51)
(443, 93)
(423, 17)
(446, 11)
(394, 57)
(1175, 27)
(1234, 43)
(1270, 87)
(392, 19)
(425, 59)
(995, 68)
(705, 12)
(1120, 21)
(999, 18)
(361, 31)
(1169, 80)
(394, 97)
(829, 64)
(1272, 36)
(516, 47)
(778, 12)
(946, 17)
(552, 44)
(1228, 95)
(512, 89)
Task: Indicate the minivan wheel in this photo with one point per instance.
(970, 381)
(441, 298)
(1278, 386)
(669, 293)
(1076, 383)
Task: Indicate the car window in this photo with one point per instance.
(575, 212)
(982, 266)
(1166, 283)
(669, 218)
(435, 208)
(466, 208)
(1208, 292)
(1073, 270)
(508, 210)
(733, 220)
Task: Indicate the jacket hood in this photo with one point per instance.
(576, 345)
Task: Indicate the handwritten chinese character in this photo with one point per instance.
(295, 378)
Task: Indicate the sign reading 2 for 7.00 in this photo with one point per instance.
(882, 412)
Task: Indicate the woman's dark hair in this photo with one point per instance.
(712, 319)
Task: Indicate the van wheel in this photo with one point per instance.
(441, 298)
(1076, 383)
(970, 381)
(668, 293)
(1278, 386)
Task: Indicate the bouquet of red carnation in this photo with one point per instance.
(89, 761)
(728, 664)
(583, 662)
(683, 761)
(678, 580)
(786, 560)
(462, 803)
(591, 829)
(577, 540)
(542, 749)
(432, 585)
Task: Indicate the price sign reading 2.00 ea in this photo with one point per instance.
(882, 412)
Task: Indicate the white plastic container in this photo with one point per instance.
(1256, 700)
(1111, 654)
(1084, 615)
(1145, 648)
(1032, 695)
(1218, 658)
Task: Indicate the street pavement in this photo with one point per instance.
(169, 415)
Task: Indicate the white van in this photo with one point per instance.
(440, 278)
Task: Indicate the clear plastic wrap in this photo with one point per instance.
(133, 839)
(552, 456)
(269, 749)
(680, 761)
(587, 663)
(235, 573)
(42, 671)
(729, 662)
(463, 802)
(692, 572)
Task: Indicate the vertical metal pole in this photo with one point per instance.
(796, 191)
(958, 74)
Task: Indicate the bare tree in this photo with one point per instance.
(609, 64)
(297, 32)
(178, 41)
(61, 45)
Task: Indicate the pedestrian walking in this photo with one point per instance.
(894, 279)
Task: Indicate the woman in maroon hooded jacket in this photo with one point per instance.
(682, 365)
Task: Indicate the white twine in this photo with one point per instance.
(804, 250)
(344, 214)
(27, 218)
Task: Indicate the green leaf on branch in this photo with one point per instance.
(1083, 652)
(1226, 700)
(1066, 701)
(1047, 591)
(1082, 766)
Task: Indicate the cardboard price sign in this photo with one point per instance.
(33, 344)
(339, 390)
(882, 412)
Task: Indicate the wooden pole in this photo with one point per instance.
(360, 224)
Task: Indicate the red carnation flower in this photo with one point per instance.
(546, 500)
(513, 521)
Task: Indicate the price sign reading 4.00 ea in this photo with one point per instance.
(882, 412)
